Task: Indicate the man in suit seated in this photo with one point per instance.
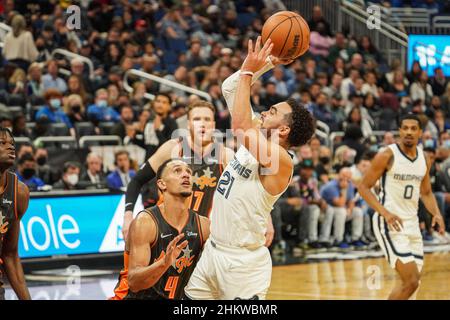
(119, 179)
(94, 176)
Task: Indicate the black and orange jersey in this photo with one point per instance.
(206, 172)
(171, 284)
(8, 209)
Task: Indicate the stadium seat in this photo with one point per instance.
(59, 129)
(84, 128)
(16, 110)
(106, 127)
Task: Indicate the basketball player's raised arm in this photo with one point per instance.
(429, 201)
(229, 86)
(244, 128)
(10, 255)
(145, 174)
(143, 234)
(379, 165)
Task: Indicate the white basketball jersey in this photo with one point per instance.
(241, 205)
(400, 186)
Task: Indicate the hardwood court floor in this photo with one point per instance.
(352, 279)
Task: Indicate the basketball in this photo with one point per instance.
(289, 33)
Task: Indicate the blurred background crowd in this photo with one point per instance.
(343, 80)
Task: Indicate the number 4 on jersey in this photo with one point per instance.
(171, 286)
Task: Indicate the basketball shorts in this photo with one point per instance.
(121, 288)
(405, 245)
(228, 273)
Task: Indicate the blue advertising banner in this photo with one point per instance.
(431, 51)
(72, 225)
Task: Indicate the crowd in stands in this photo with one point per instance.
(344, 81)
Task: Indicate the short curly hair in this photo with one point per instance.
(301, 122)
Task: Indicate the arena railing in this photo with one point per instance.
(325, 137)
(390, 41)
(409, 20)
(55, 139)
(101, 138)
(323, 126)
(169, 83)
(70, 55)
(353, 15)
(441, 24)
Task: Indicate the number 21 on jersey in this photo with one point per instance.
(225, 184)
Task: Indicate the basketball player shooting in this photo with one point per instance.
(14, 203)
(404, 173)
(235, 263)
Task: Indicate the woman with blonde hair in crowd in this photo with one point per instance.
(74, 108)
(19, 46)
(16, 82)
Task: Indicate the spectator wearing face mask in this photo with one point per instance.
(100, 111)
(43, 170)
(428, 141)
(27, 172)
(53, 112)
(70, 178)
(74, 108)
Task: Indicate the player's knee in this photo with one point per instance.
(412, 284)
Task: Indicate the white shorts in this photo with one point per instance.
(406, 245)
(228, 273)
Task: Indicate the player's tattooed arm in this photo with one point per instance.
(10, 255)
(429, 201)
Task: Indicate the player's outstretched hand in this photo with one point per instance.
(393, 221)
(174, 249)
(257, 56)
(437, 219)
